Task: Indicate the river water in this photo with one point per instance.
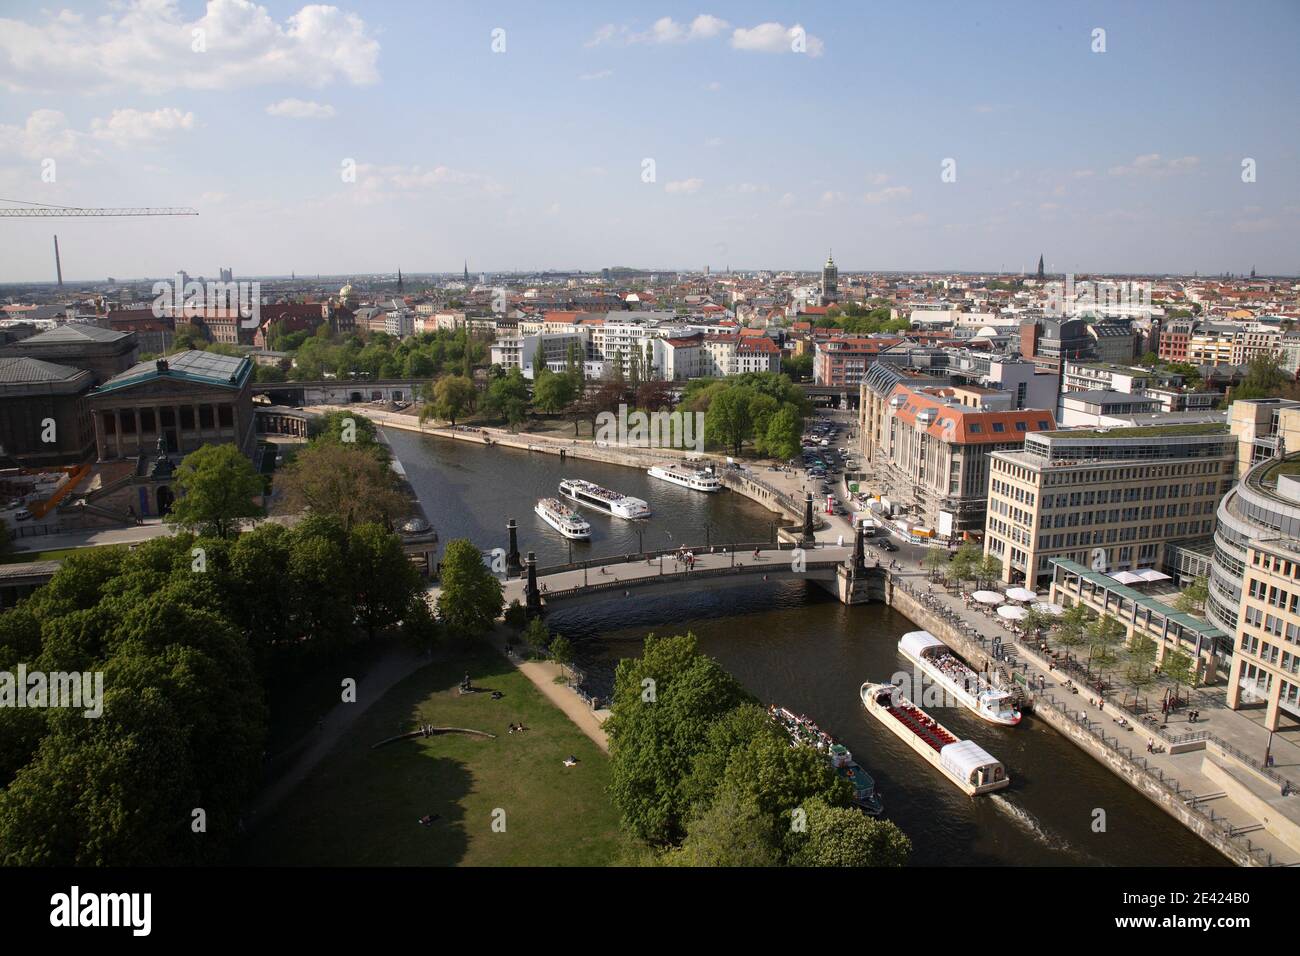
(791, 643)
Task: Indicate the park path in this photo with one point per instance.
(393, 667)
(543, 674)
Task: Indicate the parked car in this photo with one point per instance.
(888, 545)
(23, 515)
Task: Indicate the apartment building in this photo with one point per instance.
(521, 352)
(1265, 428)
(843, 361)
(935, 449)
(1109, 499)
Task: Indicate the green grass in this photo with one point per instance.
(361, 806)
(22, 557)
(1145, 431)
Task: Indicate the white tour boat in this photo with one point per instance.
(964, 762)
(936, 660)
(697, 479)
(610, 502)
(563, 518)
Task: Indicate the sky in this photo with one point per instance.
(359, 138)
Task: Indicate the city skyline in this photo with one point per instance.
(764, 155)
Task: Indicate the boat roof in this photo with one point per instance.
(965, 757)
(917, 641)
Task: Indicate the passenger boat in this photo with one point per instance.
(563, 519)
(936, 660)
(963, 762)
(804, 733)
(610, 502)
(697, 479)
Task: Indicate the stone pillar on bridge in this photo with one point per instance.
(532, 596)
(807, 519)
(513, 564)
(859, 551)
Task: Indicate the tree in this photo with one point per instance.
(1191, 600)
(385, 585)
(471, 600)
(1036, 621)
(1179, 667)
(1104, 635)
(217, 487)
(664, 702)
(988, 569)
(844, 837)
(553, 393)
(1140, 657)
(561, 651)
(1071, 628)
(729, 421)
(731, 832)
(343, 481)
(1264, 379)
(452, 395)
(507, 397)
(936, 558)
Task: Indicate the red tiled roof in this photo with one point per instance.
(971, 426)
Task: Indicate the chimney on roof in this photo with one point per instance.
(162, 366)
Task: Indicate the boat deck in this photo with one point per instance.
(922, 726)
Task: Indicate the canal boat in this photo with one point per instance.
(563, 519)
(972, 690)
(804, 733)
(602, 499)
(697, 479)
(965, 763)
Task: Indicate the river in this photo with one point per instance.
(791, 643)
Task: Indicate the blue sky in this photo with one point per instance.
(1123, 160)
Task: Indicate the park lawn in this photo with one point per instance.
(361, 806)
(21, 557)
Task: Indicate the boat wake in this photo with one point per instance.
(1030, 824)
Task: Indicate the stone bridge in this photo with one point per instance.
(843, 571)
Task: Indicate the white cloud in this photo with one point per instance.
(684, 186)
(149, 45)
(130, 127)
(713, 87)
(598, 75)
(752, 188)
(377, 183)
(878, 179)
(301, 109)
(706, 26)
(776, 38)
(1155, 166)
(606, 33)
(713, 141)
(786, 200)
(890, 194)
(44, 135)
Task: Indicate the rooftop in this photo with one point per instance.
(207, 368)
(30, 371)
(1144, 431)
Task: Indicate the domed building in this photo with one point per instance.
(348, 296)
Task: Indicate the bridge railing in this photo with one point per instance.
(600, 586)
(739, 548)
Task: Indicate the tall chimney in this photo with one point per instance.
(58, 266)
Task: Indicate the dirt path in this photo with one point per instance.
(543, 674)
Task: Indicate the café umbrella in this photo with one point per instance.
(988, 597)
(1021, 594)
(1012, 613)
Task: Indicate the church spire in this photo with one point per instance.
(1040, 265)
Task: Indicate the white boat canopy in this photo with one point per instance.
(917, 642)
(964, 757)
(988, 597)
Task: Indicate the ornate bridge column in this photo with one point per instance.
(532, 596)
(513, 564)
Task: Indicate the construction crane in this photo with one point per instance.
(36, 210)
(48, 210)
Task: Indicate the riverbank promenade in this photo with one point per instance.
(1201, 776)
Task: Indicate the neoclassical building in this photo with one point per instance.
(188, 400)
